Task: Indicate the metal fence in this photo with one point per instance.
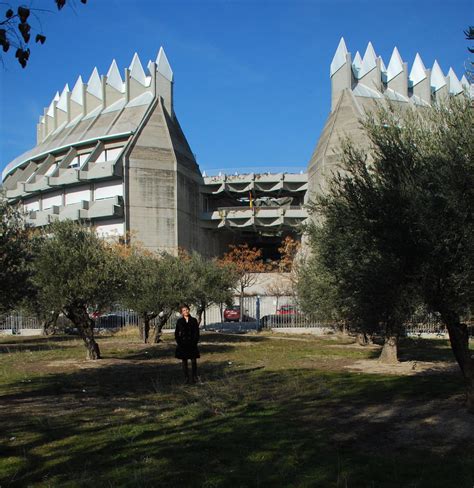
(258, 312)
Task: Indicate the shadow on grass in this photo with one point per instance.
(432, 350)
(34, 343)
(235, 338)
(136, 424)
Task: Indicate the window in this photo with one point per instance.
(53, 198)
(77, 195)
(78, 161)
(110, 154)
(108, 190)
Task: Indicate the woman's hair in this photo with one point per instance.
(183, 305)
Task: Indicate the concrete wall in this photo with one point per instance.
(162, 186)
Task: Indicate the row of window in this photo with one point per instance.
(70, 196)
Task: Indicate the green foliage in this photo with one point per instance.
(363, 259)
(155, 282)
(15, 255)
(212, 282)
(73, 266)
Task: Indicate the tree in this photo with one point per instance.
(246, 262)
(212, 282)
(156, 285)
(444, 224)
(469, 33)
(406, 214)
(76, 272)
(15, 256)
(15, 29)
(288, 250)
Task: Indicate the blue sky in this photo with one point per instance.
(252, 88)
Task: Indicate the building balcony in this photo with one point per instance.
(264, 182)
(257, 217)
(66, 176)
(75, 211)
(40, 183)
(108, 207)
(98, 171)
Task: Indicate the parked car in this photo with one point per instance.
(288, 310)
(232, 314)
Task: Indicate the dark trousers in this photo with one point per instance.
(186, 370)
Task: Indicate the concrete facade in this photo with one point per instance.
(357, 85)
(111, 152)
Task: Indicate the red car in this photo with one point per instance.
(288, 310)
(232, 314)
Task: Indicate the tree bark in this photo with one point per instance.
(362, 339)
(49, 324)
(241, 304)
(459, 339)
(159, 326)
(77, 314)
(145, 327)
(389, 354)
(199, 313)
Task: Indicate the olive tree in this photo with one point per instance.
(398, 229)
(75, 271)
(155, 287)
(15, 256)
(212, 282)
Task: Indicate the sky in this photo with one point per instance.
(252, 86)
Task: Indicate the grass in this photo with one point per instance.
(271, 411)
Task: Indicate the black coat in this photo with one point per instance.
(187, 338)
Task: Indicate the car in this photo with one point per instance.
(288, 310)
(232, 314)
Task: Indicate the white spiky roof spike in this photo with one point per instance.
(383, 68)
(94, 85)
(339, 58)
(136, 70)
(369, 61)
(418, 70)
(62, 102)
(113, 77)
(77, 94)
(357, 64)
(455, 86)
(395, 66)
(465, 82)
(50, 111)
(163, 65)
(437, 77)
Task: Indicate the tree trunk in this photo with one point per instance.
(459, 339)
(162, 319)
(49, 324)
(145, 328)
(199, 313)
(362, 339)
(389, 354)
(78, 315)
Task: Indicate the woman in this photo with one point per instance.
(187, 338)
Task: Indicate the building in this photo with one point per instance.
(111, 152)
(357, 84)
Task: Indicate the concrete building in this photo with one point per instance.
(357, 85)
(111, 152)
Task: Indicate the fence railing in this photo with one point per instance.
(258, 312)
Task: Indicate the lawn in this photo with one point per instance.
(272, 410)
